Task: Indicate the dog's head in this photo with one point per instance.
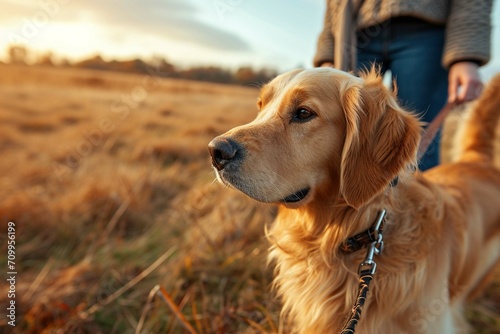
(320, 133)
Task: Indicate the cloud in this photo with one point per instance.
(172, 19)
(200, 33)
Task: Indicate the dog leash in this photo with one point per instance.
(366, 270)
(432, 129)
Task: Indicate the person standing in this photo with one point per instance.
(433, 49)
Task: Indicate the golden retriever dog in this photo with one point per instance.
(327, 147)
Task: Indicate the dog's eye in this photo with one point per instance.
(302, 115)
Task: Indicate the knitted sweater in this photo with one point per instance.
(468, 25)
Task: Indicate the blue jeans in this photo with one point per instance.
(412, 50)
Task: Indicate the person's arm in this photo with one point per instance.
(325, 46)
(467, 46)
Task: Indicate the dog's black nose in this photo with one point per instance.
(223, 150)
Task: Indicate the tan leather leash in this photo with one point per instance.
(433, 128)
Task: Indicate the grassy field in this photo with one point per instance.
(108, 181)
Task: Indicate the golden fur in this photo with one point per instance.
(443, 230)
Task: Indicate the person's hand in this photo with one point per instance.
(327, 64)
(464, 83)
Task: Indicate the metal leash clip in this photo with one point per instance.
(369, 266)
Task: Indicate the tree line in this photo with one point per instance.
(248, 76)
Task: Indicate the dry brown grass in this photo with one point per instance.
(105, 174)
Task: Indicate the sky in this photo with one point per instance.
(279, 34)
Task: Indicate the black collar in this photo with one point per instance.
(364, 238)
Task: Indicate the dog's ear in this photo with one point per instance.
(381, 139)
